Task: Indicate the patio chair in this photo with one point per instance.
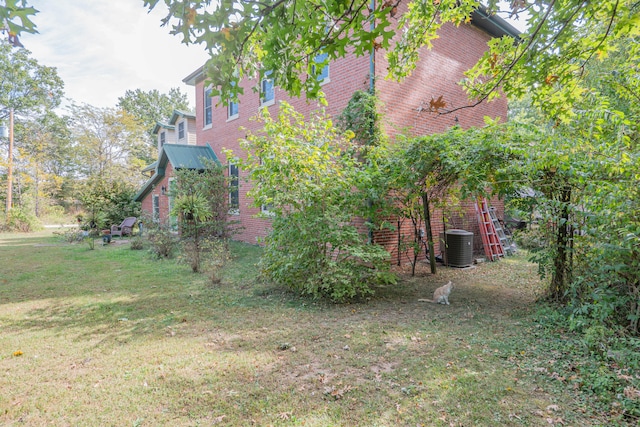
(125, 228)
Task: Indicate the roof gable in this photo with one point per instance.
(181, 157)
(177, 114)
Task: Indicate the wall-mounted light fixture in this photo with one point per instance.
(163, 189)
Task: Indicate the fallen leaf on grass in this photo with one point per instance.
(337, 394)
(17, 353)
(219, 419)
(553, 408)
(285, 415)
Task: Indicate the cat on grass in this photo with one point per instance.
(440, 295)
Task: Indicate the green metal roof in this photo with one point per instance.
(181, 157)
(180, 113)
(151, 167)
(188, 156)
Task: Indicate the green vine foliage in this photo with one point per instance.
(362, 116)
(585, 178)
(302, 169)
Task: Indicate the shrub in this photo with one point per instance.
(22, 220)
(162, 241)
(529, 239)
(137, 243)
(319, 256)
(211, 255)
(72, 235)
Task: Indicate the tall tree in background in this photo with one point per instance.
(27, 89)
(152, 107)
(109, 143)
(49, 160)
(26, 86)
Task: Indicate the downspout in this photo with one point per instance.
(372, 59)
(372, 79)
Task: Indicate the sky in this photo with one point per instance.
(103, 48)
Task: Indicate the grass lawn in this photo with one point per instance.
(112, 337)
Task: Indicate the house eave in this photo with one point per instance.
(493, 24)
(148, 186)
(195, 77)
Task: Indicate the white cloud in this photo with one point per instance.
(101, 49)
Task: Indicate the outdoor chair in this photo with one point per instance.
(125, 228)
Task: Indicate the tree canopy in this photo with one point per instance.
(285, 37)
(152, 106)
(25, 85)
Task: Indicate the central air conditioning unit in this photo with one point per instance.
(456, 247)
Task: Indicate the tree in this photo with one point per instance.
(106, 202)
(585, 175)
(152, 107)
(109, 143)
(26, 86)
(304, 171)
(201, 205)
(50, 161)
(27, 90)
(435, 170)
(285, 38)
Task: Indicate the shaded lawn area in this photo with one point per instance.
(115, 337)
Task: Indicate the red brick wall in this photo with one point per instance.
(147, 202)
(461, 216)
(346, 76)
(438, 73)
(405, 107)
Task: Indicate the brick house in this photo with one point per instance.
(437, 73)
(177, 148)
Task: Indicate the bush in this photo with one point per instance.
(210, 256)
(137, 243)
(163, 242)
(529, 239)
(72, 235)
(21, 220)
(319, 256)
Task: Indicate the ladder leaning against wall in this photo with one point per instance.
(491, 242)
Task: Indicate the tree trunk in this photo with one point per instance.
(427, 226)
(561, 271)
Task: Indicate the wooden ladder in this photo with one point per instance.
(492, 246)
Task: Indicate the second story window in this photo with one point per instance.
(267, 92)
(208, 108)
(181, 131)
(163, 138)
(232, 111)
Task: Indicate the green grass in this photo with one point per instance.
(114, 337)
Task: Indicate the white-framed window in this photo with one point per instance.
(267, 209)
(163, 138)
(267, 91)
(171, 188)
(234, 191)
(323, 75)
(181, 133)
(233, 110)
(156, 208)
(208, 108)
